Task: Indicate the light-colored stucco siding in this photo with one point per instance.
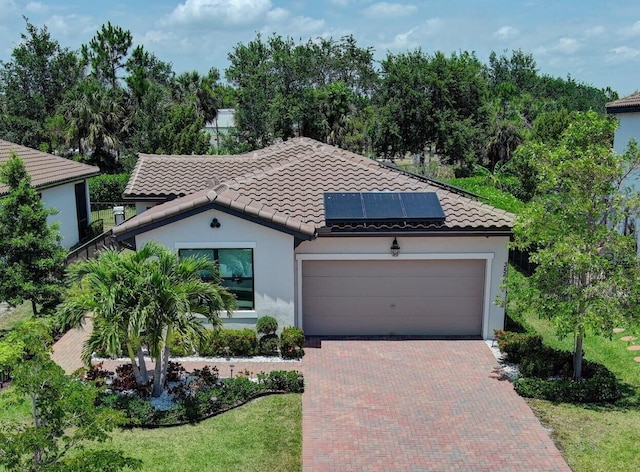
(63, 199)
(492, 249)
(628, 127)
(273, 259)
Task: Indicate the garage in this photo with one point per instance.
(393, 297)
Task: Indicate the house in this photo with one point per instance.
(220, 126)
(327, 240)
(627, 111)
(62, 184)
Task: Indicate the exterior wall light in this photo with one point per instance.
(395, 248)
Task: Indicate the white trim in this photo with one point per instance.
(240, 315)
(215, 245)
(487, 297)
(487, 256)
(406, 257)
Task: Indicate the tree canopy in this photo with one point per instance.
(32, 260)
(579, 229)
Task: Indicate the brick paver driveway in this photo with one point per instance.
(416, 405)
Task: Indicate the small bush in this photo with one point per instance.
(108, 187)
(240, 342)
(283, 380)
(268, 345)
(239, 389)
(601, 387)
(292, 343)
(518, 346)
(267, 325)
(180, 346)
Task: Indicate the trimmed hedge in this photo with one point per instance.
(108, 187)
(241, 343)
(292, 343)
(267, 325)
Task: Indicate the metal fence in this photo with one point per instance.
(104, 211)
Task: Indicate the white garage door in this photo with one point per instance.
(413, 297)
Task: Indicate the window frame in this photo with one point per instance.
(215, 251)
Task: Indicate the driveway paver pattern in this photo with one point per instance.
(417, 406)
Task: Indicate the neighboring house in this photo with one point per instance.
(220, 126)
(328, 240)
(62, 184)
(627, 111)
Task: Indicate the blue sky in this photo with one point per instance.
(596, 41)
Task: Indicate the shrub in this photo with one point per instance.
(268, 345)
(108, 187)
(600, 387)
(283, 380)
(239, 389)
(240, 342)
(180, 346)
(292, 343)
(267, 325)
(518, 346)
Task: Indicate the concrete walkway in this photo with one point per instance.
(399, 405)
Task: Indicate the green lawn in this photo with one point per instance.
(14, 316)
(594, 438)
(263, 435)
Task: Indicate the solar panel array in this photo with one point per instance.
(382, 207)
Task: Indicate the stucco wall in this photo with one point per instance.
(629, 127)
(63, 199)
(493, 249)
(273, 259)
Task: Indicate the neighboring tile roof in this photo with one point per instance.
(45, 169)
(290, 179)
(626, 104)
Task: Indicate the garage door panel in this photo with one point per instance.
(422, 297)
(340, 286)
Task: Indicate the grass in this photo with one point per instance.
(592, 438)
(265, 435)
(15, 316)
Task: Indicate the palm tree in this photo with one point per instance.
(175, 293)
(107, 287)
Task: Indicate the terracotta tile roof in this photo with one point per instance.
(285, 184)
(45, 169)
(624, 104)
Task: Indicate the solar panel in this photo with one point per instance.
(381, 207)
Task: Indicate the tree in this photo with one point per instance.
(33, 84)
(587, 272)
(174, 293)
(144, 297)
(107, 54)
(32, 259)
(65, 415)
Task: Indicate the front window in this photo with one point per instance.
(236, 271)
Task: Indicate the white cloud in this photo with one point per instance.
(389, 10)
(79, 26)
(622, 54)
(278, 15)
(506, 32)
(402, 41)
(340, 3)
(595, 31)
(7, 7)
(631, 31)
(222, 13)
(566, 46)
(36, 7)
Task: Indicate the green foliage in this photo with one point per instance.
(573, 231)
(241, 343)
(268, 345)
(283, 380)
(292, 343)
(107, 187)
(425, 100)
(65, 415)
(601, 387)
(494, 197)
(267, 325)
(32, 265)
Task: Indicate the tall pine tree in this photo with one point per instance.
(32, 261)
